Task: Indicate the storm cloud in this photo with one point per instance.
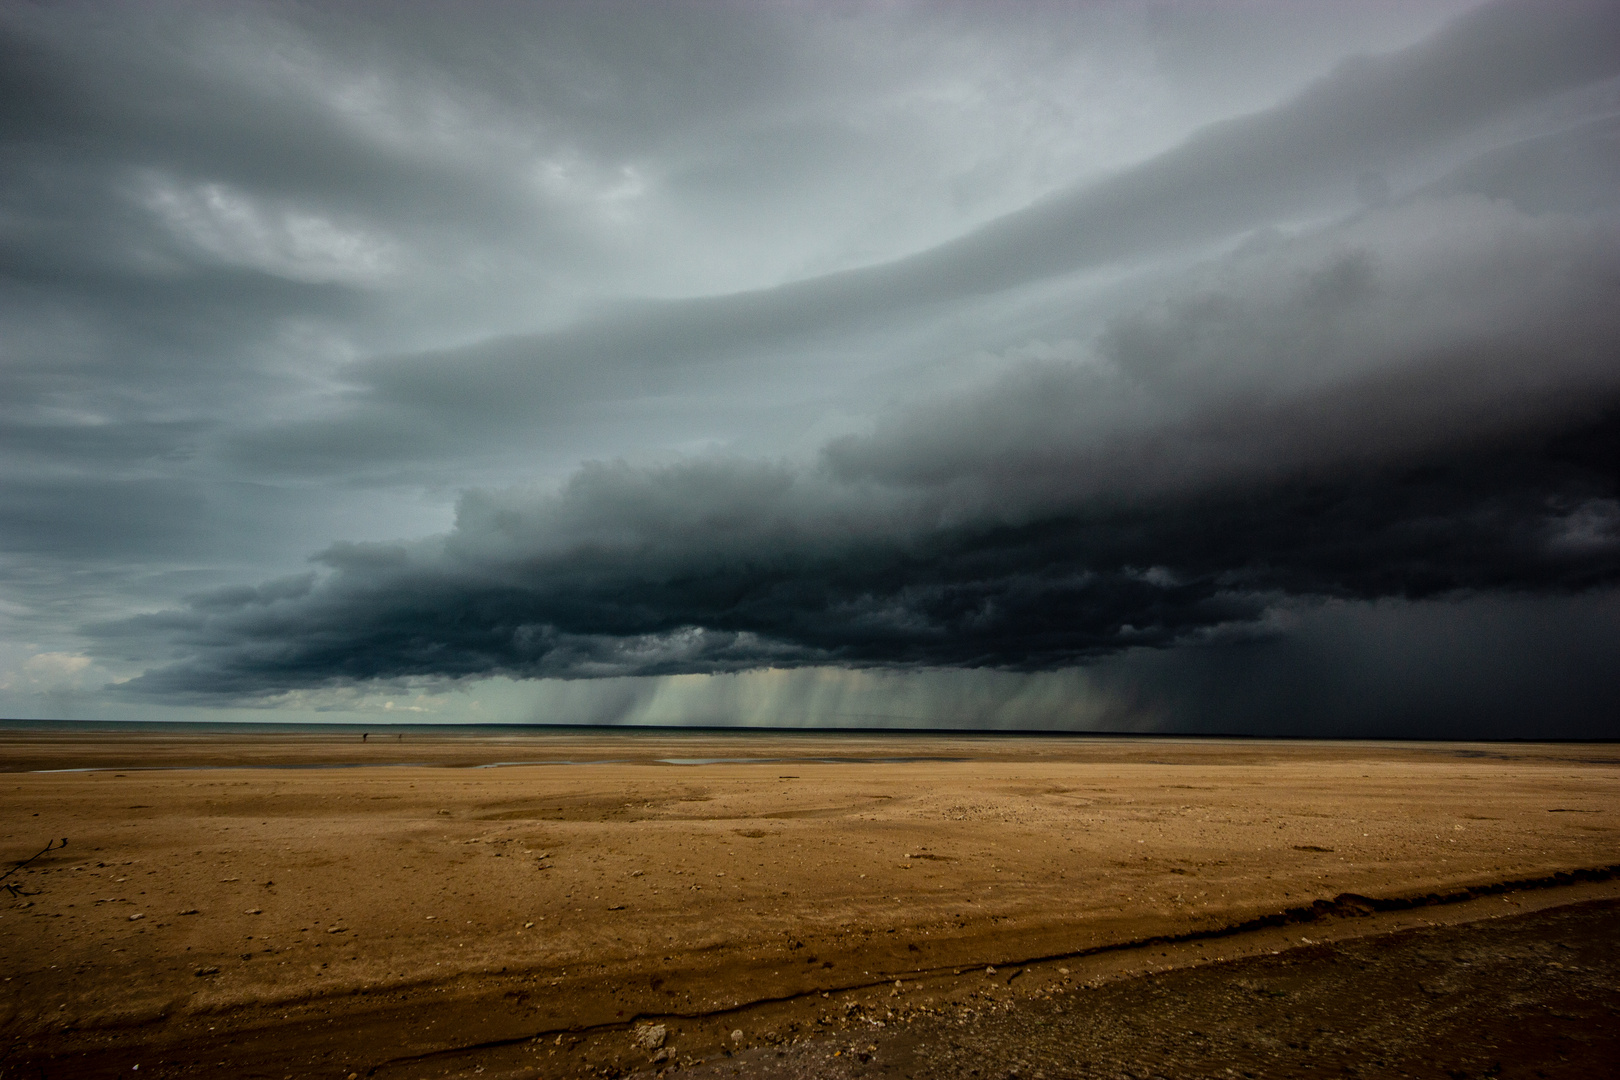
(1392, 115)
(1420, 402)
(711, 341)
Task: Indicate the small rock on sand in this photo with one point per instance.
(649, 1036)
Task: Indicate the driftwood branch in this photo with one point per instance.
(12, 887)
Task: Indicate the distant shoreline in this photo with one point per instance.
(193, 727)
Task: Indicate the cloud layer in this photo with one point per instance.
(1144, 351)
(1420, 402)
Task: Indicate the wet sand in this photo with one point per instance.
(241, 901)
(1527, 995)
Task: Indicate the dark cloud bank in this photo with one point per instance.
(1324, 468)
(1365, 414)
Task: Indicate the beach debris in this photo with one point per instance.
(336, 929)
(737, 1036)
(649, 1036)
(528, 926)
(989, 971)
(255, 911)
(202, 971)
(17, 890)
(137, 915)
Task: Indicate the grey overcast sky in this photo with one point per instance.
(1184, 366)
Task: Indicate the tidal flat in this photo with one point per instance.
(566, 903)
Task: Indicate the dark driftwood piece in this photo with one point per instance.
(15, 889)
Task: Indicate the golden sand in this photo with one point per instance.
(206, 885)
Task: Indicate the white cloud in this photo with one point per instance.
(52, 673)
(237, 229)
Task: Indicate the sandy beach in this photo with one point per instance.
(308, 904)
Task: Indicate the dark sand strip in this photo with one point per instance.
(1534, 995)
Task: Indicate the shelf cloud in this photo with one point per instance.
(1035, 355)
(1420, 402)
